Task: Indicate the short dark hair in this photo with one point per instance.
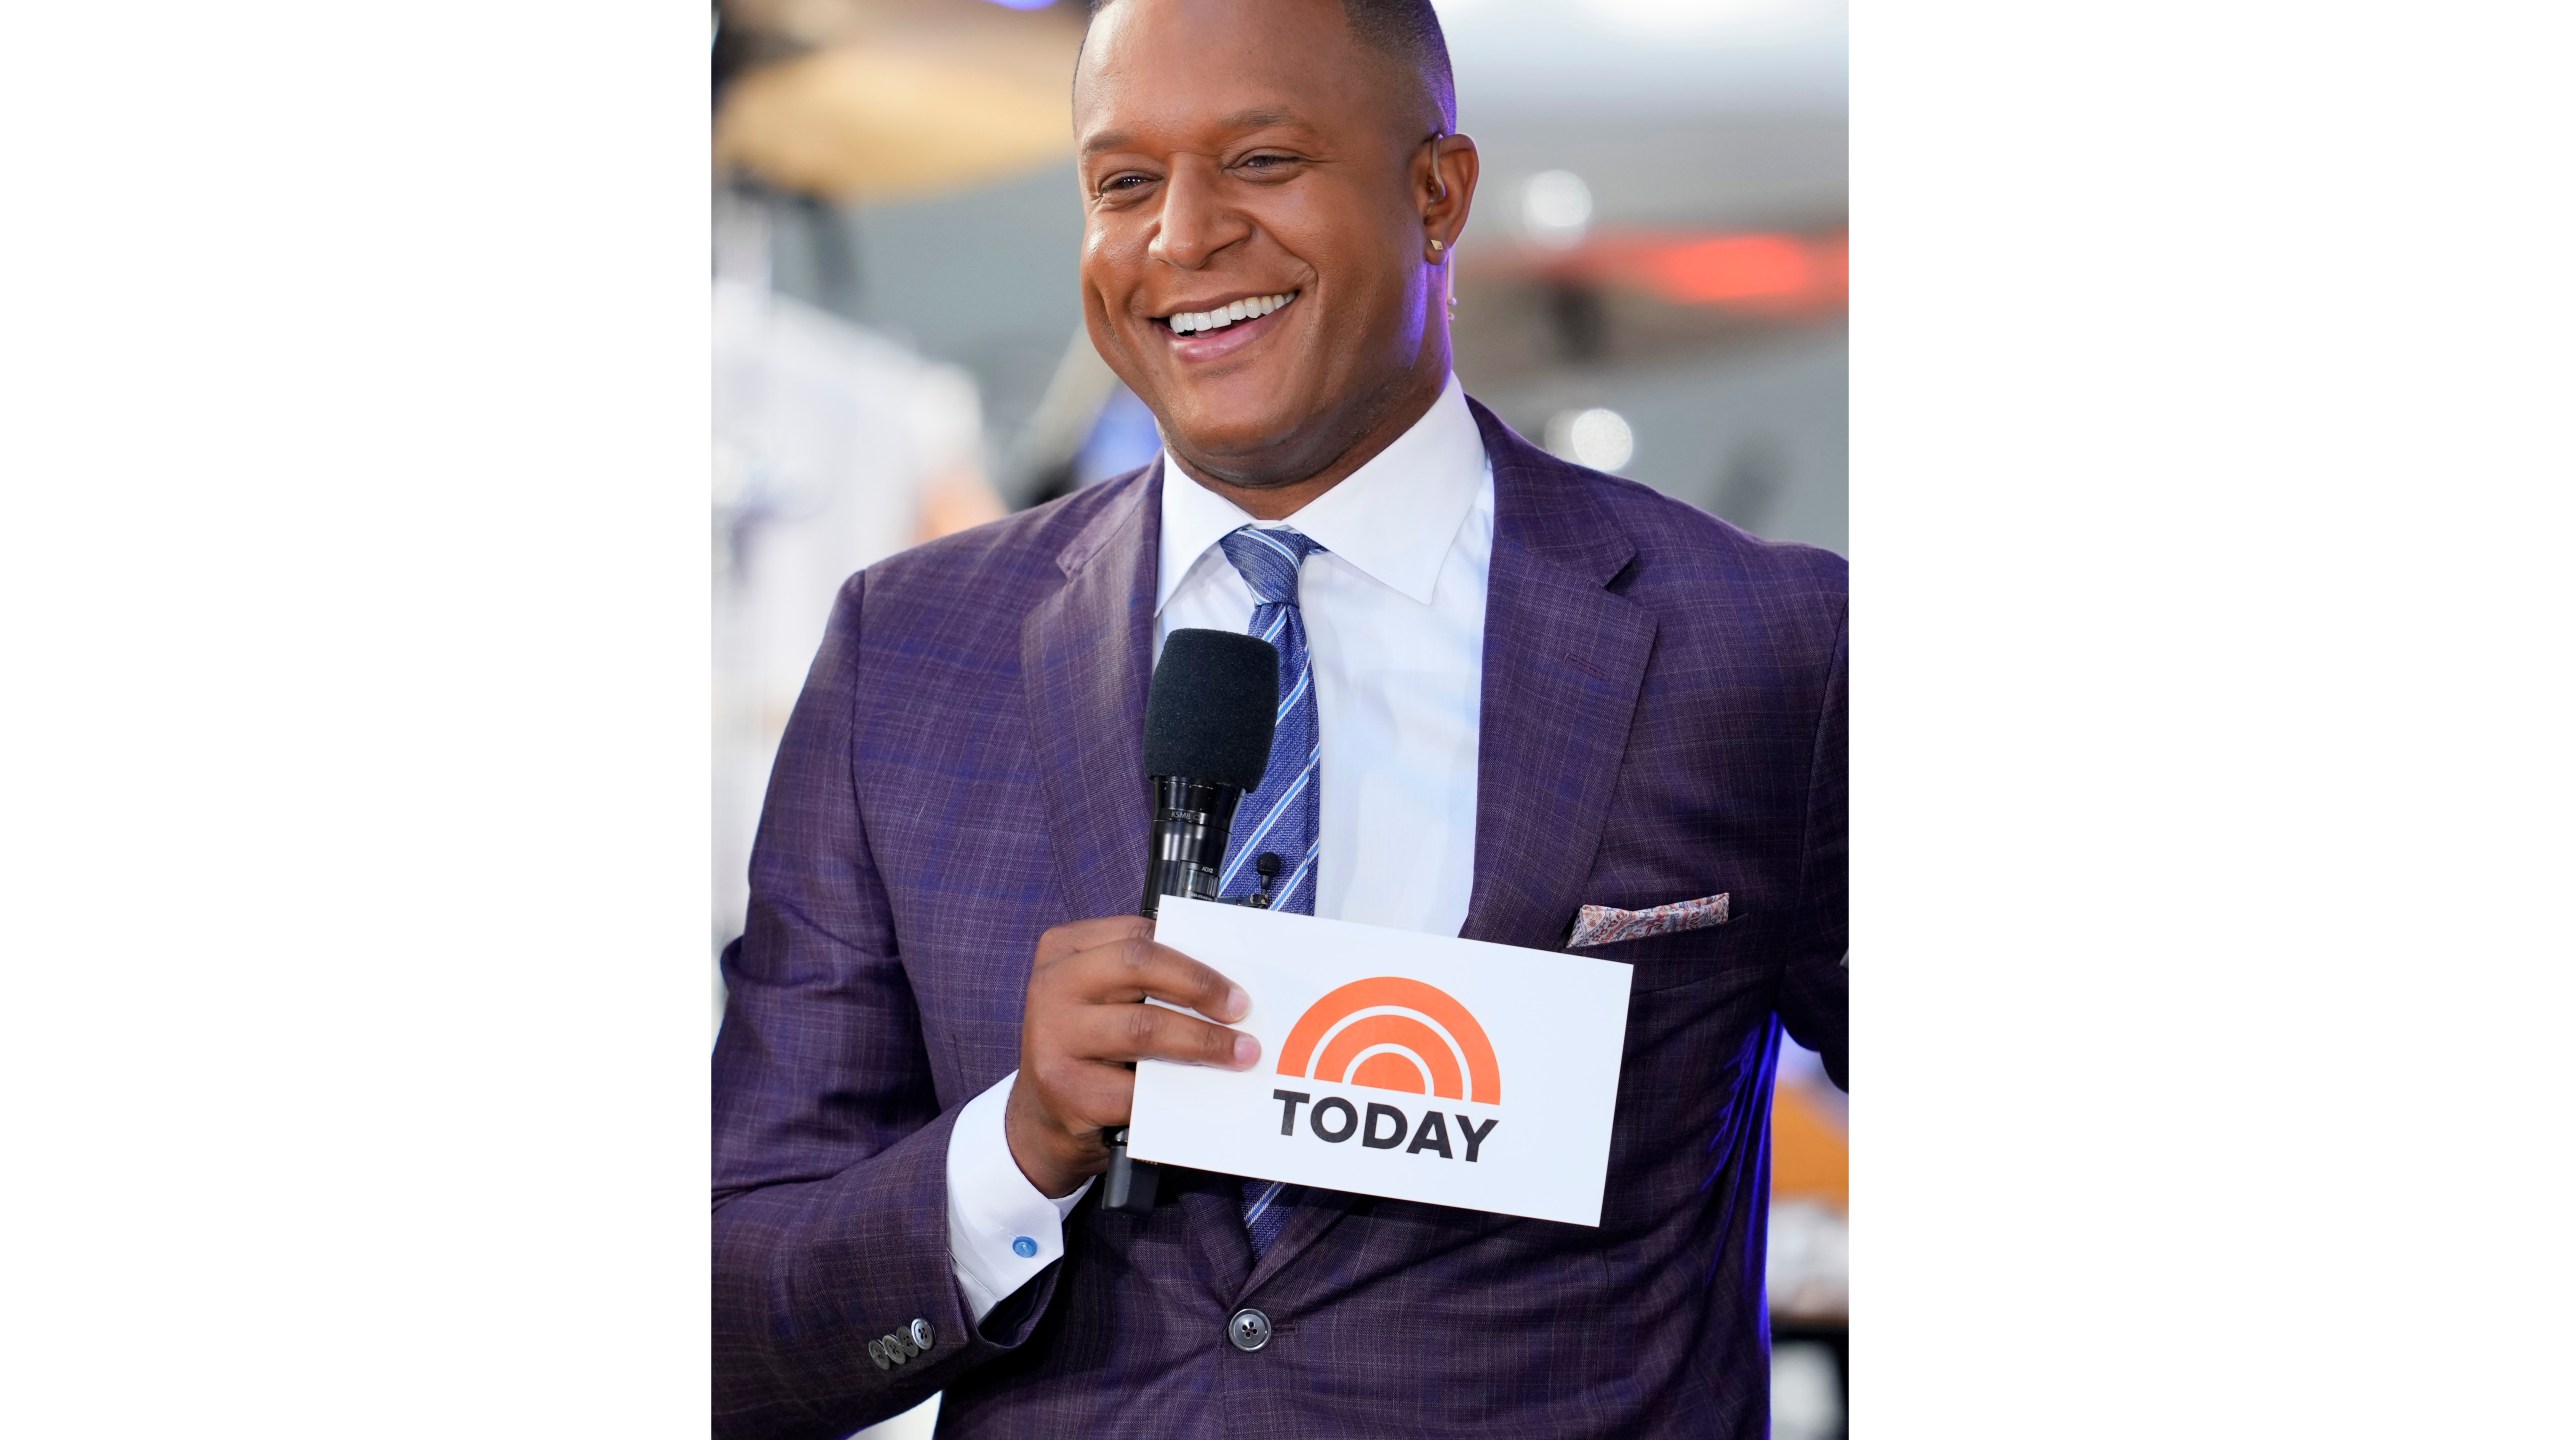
(1406, 32)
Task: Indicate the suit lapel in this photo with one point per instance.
(1085, 664)
(1564, 658)
(1563, 661)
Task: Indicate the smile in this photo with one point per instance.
(1192, 322)
(1221, 330)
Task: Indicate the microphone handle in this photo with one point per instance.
(1184, 850)
(1189, 841)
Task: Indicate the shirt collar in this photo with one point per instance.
(1392, 519)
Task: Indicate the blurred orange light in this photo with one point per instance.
(1768, 273)
(1737, 267)
(1749, 270)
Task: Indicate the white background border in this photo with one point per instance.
(355, 812)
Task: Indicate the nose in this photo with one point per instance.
(1195, 222)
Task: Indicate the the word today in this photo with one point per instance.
(1430, 1133)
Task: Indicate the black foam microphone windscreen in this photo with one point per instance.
(1211, 708)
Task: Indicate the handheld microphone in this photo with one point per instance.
(1210, 713)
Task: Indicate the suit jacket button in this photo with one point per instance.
(1249, 1329)
(920, 1334)
(879, 1355)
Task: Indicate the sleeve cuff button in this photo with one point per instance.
(1025, 1246)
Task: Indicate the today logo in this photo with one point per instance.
(1390, 1033)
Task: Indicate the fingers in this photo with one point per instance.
(1137, 968)
(1126, 1034)
(1060, 942)
(1085, 1023)
(1116, 960)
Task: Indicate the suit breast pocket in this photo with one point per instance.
(1730, 950)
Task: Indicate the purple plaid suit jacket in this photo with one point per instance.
(1664, 718)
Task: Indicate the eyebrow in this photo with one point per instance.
(1261, 118)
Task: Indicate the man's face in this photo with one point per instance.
(1241, 151)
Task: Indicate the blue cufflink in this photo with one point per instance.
(1025, 1246)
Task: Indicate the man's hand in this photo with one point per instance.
(1086, 1023)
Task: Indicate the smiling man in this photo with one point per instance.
(1528, 704)
(1266, 242)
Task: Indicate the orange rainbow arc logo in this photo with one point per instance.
(1391, 1033)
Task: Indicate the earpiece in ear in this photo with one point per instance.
(1439, 191)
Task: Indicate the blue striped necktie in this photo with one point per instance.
(1278, 817)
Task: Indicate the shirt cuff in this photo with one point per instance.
(1003, 1230)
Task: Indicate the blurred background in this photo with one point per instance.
(1654, 282)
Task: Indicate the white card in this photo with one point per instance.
(1422, 1067)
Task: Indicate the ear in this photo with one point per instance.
(1445, 172)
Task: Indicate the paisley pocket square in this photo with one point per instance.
(1606, 925)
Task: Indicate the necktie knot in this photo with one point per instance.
(1269, 561)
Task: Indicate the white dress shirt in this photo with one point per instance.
(1395, 629)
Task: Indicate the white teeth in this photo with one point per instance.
(1192, 322)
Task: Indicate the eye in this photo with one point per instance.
(1266, 162)
(1120, 184)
